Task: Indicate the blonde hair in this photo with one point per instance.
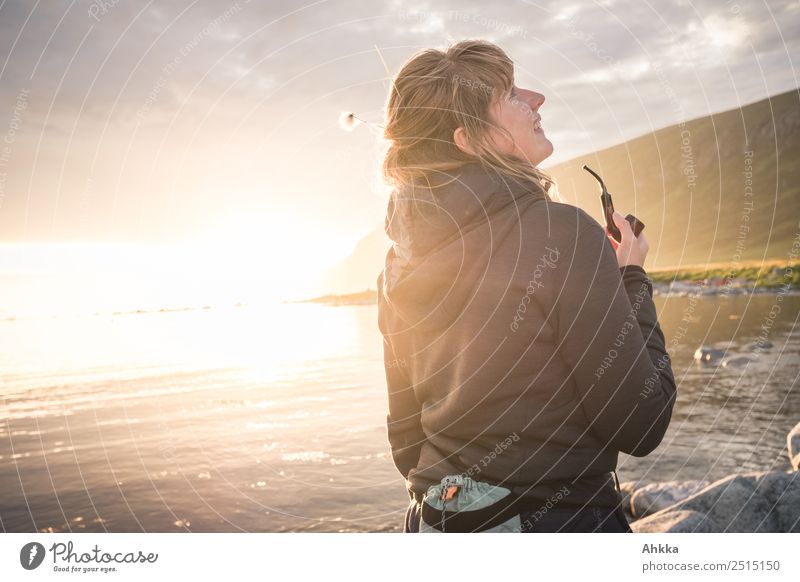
(436, 92)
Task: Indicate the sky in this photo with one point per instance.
(214, 125)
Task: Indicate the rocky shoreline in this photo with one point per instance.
(755, 502)
(750, 277)
(676, 288)
(683, 289)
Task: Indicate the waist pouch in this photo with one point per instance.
(461, 505)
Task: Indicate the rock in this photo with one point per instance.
(679, 521)
(708, 355)
(748, 503)
(760, 345)
(683, 288)
(793, 446)
(657, 496)
(736, 362)
(782, 490)
(732, 503)
(627, 490)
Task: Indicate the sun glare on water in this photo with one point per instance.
(239, 259)
(211, 302)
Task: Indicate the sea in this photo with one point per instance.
(271, 416)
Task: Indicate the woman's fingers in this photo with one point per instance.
(630, 250)
(623, 225)
(643, 243)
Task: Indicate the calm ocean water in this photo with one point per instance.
(272, 418)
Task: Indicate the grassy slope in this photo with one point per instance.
(705, 223)
(760, 274)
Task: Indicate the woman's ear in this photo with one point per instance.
(460, 139)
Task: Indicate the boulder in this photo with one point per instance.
(760, 345)
(657, 496)
(679, 521)
(627, 489)
(782, 490)
(793, 446)
(708, 355)
(747, 503)
(736, 361)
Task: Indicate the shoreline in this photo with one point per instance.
(715, 279)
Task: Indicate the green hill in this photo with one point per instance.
(719, 189)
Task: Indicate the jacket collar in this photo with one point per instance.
(440, 240)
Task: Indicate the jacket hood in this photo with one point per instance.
(443, 239)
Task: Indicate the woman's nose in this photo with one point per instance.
(537, 99)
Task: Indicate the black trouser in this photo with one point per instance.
(558, 519)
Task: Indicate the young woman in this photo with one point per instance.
(521, 342)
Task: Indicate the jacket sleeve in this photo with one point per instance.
(403, 421)
(609, 335)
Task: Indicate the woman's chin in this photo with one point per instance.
(544, 151)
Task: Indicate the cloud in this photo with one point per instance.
(270, 79)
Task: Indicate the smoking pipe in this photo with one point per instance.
(608, 210)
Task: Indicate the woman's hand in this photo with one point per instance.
(632, 250)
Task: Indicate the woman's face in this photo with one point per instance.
(518, 113)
